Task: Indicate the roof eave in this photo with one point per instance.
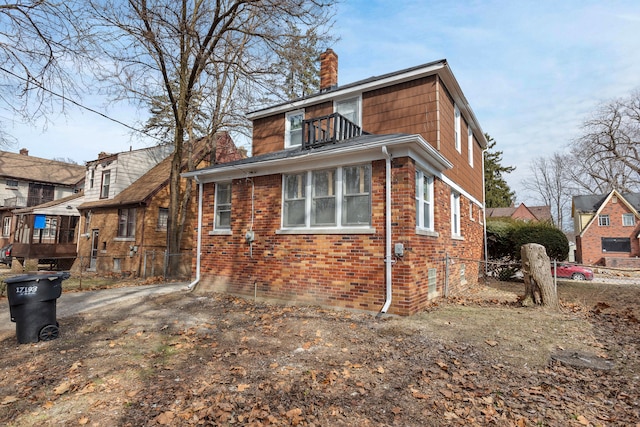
(398, 146)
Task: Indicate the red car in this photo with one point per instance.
(573, 271)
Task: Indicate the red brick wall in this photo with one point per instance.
(589, 246)
(334, 269)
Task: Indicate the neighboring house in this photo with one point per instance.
(126, 232)
(354, 196)
(522, 212)
(27, 181)
(607, 228)
(47, 232)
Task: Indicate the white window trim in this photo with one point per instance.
(287, 128)
(456, 232)
(420, 192)
(629, 215)
(470, 146)
(339, 195)
(358, 99)
(217, 228)
(457, 128)
(601, 218)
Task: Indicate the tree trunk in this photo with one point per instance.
(538, 282)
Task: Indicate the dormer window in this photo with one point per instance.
(293, 129)
(106, 183)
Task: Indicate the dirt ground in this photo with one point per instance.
(209, 359)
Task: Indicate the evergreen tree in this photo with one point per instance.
(497, 191)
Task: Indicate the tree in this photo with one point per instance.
(538, 281)
(607, 155)
(207, 57)
(497, 191)
(39, 57)
(550, 183)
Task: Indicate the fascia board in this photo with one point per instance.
(411, 145)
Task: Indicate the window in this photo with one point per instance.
(356, 199)
(127, 222)
(350, 109)
(92, 177)
(328, 198)
(456, 127)
(163, 218)
(628, 220)
(616, 244)
(87, 222)
(455, 214)
(424, 201)
(470, 147)
(12, 183)
(6, 226)
(293, 129)
(106, 182)
(323, 202)
(603, 220)
(471, 212)
(223, 206)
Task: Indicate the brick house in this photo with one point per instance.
(607, 228)
(125, 230)
(354, 196)
(521, 212)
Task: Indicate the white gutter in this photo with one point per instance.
(193, 284)
(387, 257)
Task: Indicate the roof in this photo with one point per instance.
(541, 213)
(359, 149)
(35, 169)
(591, 203)
(440, 68)
(72, 201)
(148, 185)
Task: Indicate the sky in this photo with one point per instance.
(532, 71)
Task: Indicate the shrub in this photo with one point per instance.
(505, 237)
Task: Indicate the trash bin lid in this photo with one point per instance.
(61, 275)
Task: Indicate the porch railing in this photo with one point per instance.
(328, 129)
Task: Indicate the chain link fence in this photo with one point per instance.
(512, 271)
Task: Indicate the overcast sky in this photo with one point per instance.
(532, 71)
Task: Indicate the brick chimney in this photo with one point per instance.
(24, 151)
(328, 70)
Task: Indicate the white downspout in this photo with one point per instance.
(388, 260)
(484, 217)
(193, 284)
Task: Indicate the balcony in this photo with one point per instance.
(329, 129)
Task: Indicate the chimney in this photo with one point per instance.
(328, 70)
(24, 151)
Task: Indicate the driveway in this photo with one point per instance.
(72, 303)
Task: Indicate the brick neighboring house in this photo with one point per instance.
(353, 198)
(27, 182)
(607, 228)
(126, 231)
(522, 212)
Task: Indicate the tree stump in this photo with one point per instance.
(538, 282)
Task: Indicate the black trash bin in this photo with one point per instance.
(32, 305)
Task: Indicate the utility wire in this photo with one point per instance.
(64, 98)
